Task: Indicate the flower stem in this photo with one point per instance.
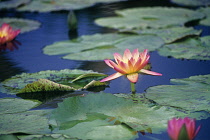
(133, 89)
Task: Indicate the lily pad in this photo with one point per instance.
(76, 110)
(19, 123)
(20, 83)
(206, 11)
(25, 25)
(14, 105)
(150, 17)
(53, 5)
(88, 47)
(169, 35)
(99, 129)
(192, 2)
(190, 48)
(45, 85)
(45, 137)
(191, 93)
(12, 3)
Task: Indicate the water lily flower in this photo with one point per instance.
(130, 64)
(7, 34)
(182, 129)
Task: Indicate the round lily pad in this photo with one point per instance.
(150, 17)
(169, 35)
(24, 25)
(190, 48)
(192, 2)
(88, 47)
(53, 5)
(191, 93)
(206, 11)
(46, 81)
(14, 105)
(12, 3)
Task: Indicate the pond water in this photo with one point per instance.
(30, 58)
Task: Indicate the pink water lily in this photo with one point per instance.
(130, 64)
(175, 126)
(7, 34)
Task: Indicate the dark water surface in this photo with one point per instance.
(29, 57)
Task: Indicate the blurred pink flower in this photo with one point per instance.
(130, 64)
(176, 125)
(7, 34)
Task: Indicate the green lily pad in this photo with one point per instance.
(191, 93)
(14, 105)
(76, 110)
(206, 11)
(19, 123)
(53, 5)
(22, 82)
(44, 85)
(8, 137)
(88, 47)
(192, 2)
(25, 25)
(169, 35)
(45, 137)
(190, 48)
(99, 129)
(12, 3)
(150, 17)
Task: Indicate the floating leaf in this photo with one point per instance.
(88, 47)
(192, 2)
(17, 83)
(45, 85)
(14, 105)
(45, 137)
(8, 137)
(52, 5)
(25, 25)
(190, 48)
(19, 123)
(169, 35)
(99, 129)
(191, 93)
(206, 11)
(12, 3)
(75, 110)
(154, 17)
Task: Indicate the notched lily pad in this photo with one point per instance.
(50, 81)
(88, 47)
(169, 35)
(12, 3)
(191, 93)
(150, 17)
(14, 105)
(206, 11)
(53, 5)
(106, 106)
(25, 25)
(190, 48)
(192, 2)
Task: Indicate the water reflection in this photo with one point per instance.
(11, 46)
(8, 67)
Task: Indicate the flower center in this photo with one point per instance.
(2, 34)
